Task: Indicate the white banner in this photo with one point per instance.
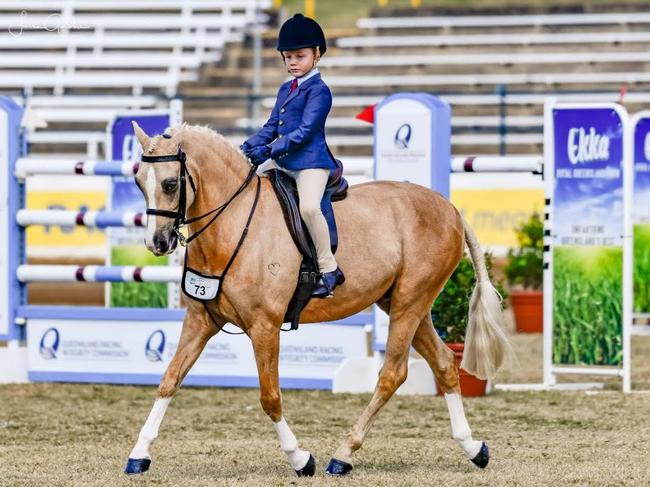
(403, 142)
(139, 352)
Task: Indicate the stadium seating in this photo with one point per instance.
(98, 48)
(494, 69)
(537, 20)
(79, 62)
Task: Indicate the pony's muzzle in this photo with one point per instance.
(163, 244)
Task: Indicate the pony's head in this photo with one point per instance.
(161, 183)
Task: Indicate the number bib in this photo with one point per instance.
(199, 286)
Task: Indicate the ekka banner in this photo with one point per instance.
(588, 232)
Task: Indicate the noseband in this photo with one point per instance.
(179, 216)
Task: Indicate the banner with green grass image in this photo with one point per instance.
(588, 229)
(587, 302)
(139, 294)
(642, 267)
(641, 212)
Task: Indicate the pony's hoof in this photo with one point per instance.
(309, 469)
(483, 457)
(137, 466)
(338, 468)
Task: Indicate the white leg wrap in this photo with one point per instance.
(459, 427)
(289, 444)
(150, 429)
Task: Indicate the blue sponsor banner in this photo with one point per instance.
(125, 147)
(641, 212)
(588, 230)
(127, 243)
(642, 144)
(588, 176)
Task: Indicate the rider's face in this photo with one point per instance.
(300, 61)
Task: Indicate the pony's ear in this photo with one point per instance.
(139, 133)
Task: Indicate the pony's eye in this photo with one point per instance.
(169, 185)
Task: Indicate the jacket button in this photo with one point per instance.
(280, 136)
(282, 110)
(281, 122)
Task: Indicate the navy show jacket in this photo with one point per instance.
(295, 130)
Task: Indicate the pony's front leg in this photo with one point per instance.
(196, 332)
(266, 344)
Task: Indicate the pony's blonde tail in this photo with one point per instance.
(486, 344)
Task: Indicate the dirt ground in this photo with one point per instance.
(81, 435)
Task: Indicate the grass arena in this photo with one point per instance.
(159, 200)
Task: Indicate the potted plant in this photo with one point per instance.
(524, 272)
(450, 312)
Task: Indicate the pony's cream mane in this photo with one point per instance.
(214, 138)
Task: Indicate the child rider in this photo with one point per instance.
(294, 136)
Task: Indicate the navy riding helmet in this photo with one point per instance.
(300, 31)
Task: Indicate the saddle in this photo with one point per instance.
(287, 193)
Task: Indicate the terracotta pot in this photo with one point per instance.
(470, 386)
(528, 307)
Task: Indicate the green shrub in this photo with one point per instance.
(525, 267)
(449, 311)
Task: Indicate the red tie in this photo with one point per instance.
(294, 85)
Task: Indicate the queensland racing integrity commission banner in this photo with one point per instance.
(126, 352)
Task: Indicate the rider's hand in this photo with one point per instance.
(246, 148)
(259, 154)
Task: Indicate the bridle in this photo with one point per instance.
(179, 215)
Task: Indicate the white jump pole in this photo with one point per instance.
(92, 273)
(29, 166)
(90, 219)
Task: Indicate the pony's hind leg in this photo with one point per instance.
(443, 364)
(266, 345)
(391, 376)
(197, 330)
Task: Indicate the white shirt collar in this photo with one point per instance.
(305, 77)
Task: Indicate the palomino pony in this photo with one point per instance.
(398, 245)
